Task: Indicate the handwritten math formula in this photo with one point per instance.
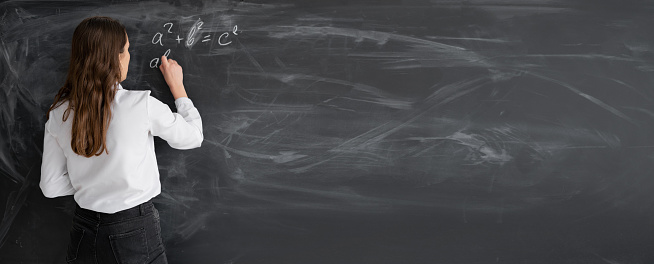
(196, 33)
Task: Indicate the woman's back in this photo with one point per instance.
(128, 175)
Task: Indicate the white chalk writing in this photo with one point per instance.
(196, 31)
(170, 26)
(157, 39)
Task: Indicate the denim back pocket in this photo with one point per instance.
(76, 236)
(130, 247)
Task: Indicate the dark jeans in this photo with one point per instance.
(127, 237)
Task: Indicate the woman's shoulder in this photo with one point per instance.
(55, 119)
(131, 96)
(58, 110)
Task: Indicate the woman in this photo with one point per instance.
(98, 146)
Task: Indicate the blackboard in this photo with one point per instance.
(480, 131)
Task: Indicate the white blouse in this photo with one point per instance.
(128, 175)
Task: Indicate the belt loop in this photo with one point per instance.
(142, 209)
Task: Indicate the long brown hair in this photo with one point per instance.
(90, 86)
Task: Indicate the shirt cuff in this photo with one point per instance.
(183, 103)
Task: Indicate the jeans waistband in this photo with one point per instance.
(139, 210)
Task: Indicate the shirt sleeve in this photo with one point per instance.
(54, 172)
(182, 130)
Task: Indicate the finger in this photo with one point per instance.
(164, 61)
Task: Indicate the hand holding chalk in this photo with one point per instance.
(174, 77)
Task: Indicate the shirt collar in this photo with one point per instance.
(120, 87)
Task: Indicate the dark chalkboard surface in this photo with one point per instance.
(480, 131)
